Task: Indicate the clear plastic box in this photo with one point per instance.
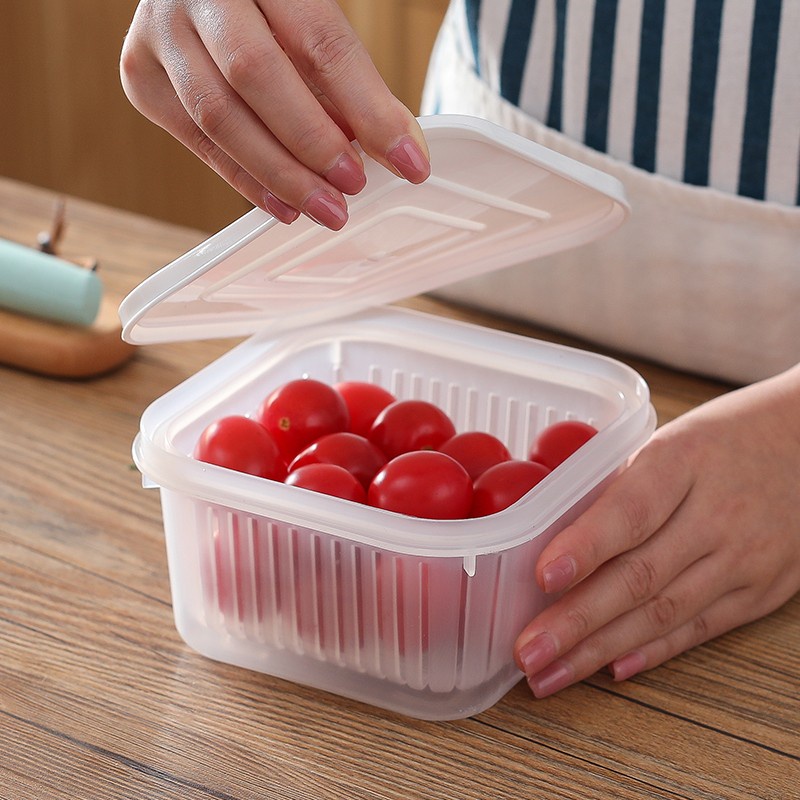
(412, 615)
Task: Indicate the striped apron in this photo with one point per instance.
(695, 106)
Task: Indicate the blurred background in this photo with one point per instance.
(66, 124)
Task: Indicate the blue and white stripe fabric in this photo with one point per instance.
(694, 105)
(706, 92)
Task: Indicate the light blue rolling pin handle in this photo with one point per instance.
(41, 285)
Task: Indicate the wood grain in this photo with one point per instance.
(100, 699)
(61, 350)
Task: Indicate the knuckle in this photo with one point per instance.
(640, 577)
(217, 159)
(130, 72)
(589, 655)
(700, 629)
(594, 654)
(329, 50)
(239, 178)
(281, 179)
(663, 612)
(134, 67)
(635, 511)
(129, 60)
(205, 148)
(245, 62)
(211, 109)
(310, 139)
(578, 623)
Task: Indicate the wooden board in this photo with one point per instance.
(64, 351)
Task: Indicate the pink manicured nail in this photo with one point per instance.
(325, 210)
(537, 653)
(279, 209)
(558, 574)
(628, 665)
(409, 160)
(552, 679)
(346, 175)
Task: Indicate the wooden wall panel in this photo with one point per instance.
(67, 125)
(399, 36)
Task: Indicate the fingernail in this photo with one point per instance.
(558, 574)
(552, 679)
(537, 653)
(325, 210)
(279, 209)
(628, 665)
(347, 175)
(409, 160)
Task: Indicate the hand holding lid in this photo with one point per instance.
(271, 95)
(492, 200)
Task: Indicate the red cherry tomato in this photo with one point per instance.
(557, 442)
(355, 453)
(476, 451)
(328, 479)
(364, 402)
(241, 444)
(408, 425)
(503, 484)
(423, 483)
(301, 411)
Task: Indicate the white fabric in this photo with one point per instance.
(696, 278)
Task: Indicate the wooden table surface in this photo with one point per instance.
(99, 697)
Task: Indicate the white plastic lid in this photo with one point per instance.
(493, 199)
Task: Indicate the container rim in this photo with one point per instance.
(165, 466)
(378, 528)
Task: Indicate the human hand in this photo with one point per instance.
(270, 94)
(699, 535)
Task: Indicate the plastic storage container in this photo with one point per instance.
(413, 615)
